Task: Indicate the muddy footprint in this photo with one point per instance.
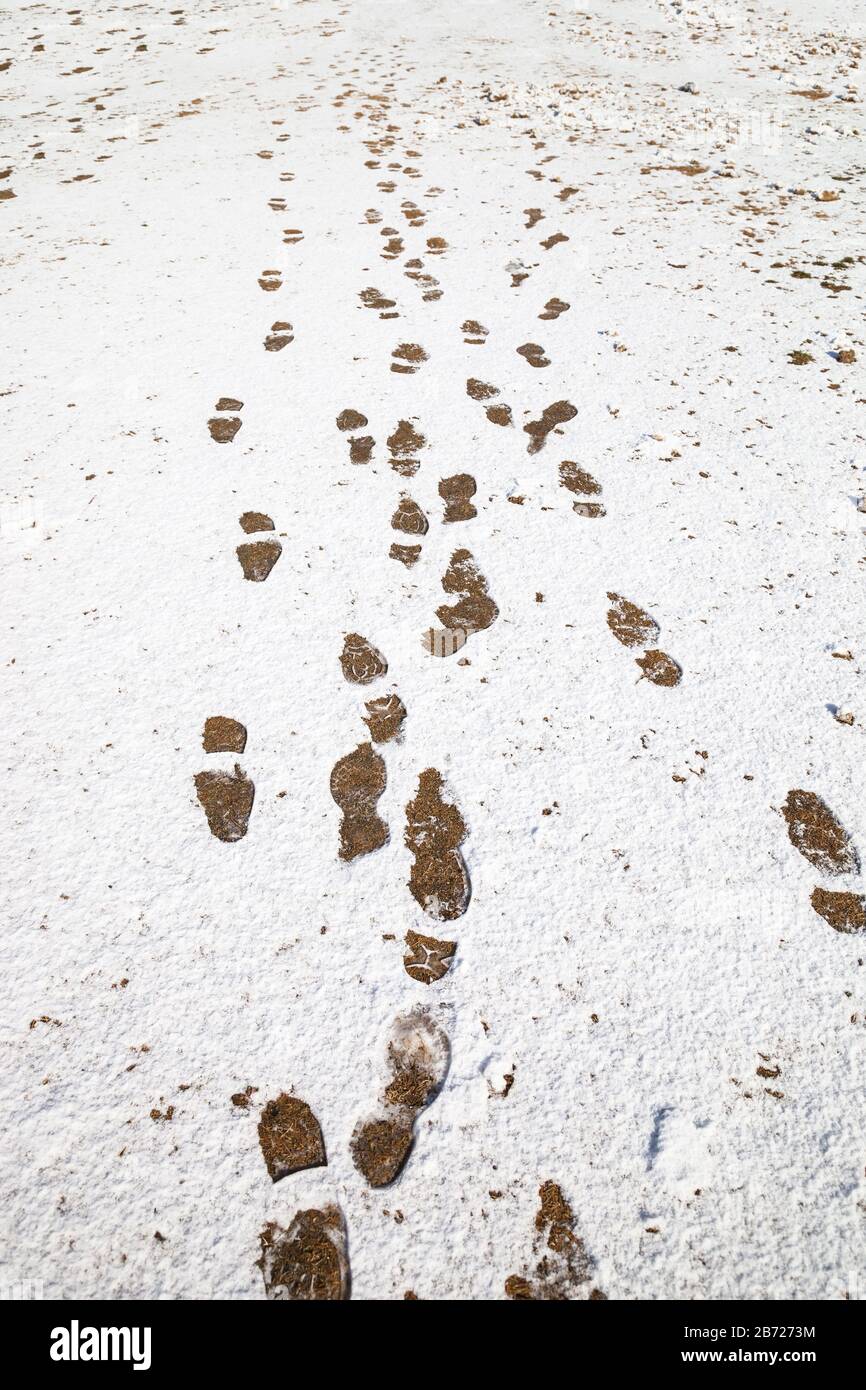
(816, 834)
(474, 610)
(483, 391)
(408, 358)
(257, 558)
(435, 830)
(418, 1054)
(633, 627)
(551, 418)
(563, 1268)
(280, 336)
(404, 443)
(457, 493)
(357, 782)
(306, 1261)
(360, 446)
(290, 1137)
(227, 800)
(223, 430)
(577, 480)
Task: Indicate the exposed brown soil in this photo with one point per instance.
(255, 521)
(227, 800)
(816, 833)
(559, 413)
(308, 1260)
(409, 518)
(357, 782)
(385, 717)
(405, 440)
(223, 735)
(845, 912)
(290, 1137)
(629, 624)
(457, 493)
(427, 959)
(361, 661)
(435, 830)
(257, 559)
(659, 668)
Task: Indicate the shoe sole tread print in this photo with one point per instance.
(418, 1056)
(820, 838)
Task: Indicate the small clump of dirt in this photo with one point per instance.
(844, 912)
(223, 735)
(290, 1137)
(435, 830)
(427, 959)
(357, 782)
(816, 833)
(227, 800)
(629, 624)
(361, 661)
(307, 1261)
(457, 493)
(385, 718)
(257, 559)
(559, 413)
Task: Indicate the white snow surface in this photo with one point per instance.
(640, 937)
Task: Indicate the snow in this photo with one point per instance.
(635, 945)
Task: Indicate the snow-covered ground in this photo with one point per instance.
(643, 1008)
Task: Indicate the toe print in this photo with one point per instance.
(224, 428)
(815, 833)
(435, 830)
(563, 1268)
(633, 627)
(418, 1054)
(427, 959)
(577, 480)
(457, 493)
(408, 358)
(554, 415)
(257, 558)
(407, 555)
(308, 1260)
(227, 800)
(357, 782)
(290, 1137)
